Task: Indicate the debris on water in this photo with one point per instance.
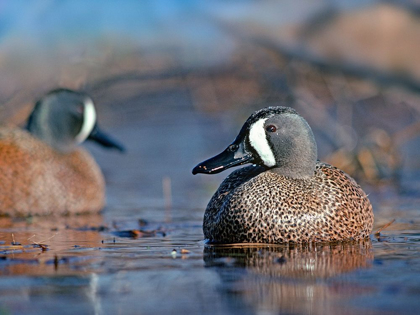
(133, 233)
(18, 248)
(43, 247)
(378, 232)
(139, 233)
(14, 242)
(100, 228)
(41, 244)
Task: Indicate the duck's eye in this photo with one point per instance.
(233, 147)
(80, 109)
(271, 128)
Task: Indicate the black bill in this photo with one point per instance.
(234, 155)
(103, 139)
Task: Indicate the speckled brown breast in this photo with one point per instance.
(35, 179)
(257, 206)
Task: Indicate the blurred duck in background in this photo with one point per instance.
(43, 170)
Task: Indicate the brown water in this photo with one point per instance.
(146, 255)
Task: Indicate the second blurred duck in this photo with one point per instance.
(42, 169)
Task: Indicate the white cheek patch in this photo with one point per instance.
(89, 120)
(259, 142)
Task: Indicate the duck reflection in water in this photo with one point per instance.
(298, 278)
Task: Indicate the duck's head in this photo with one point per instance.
(277, 138)
(64, 119)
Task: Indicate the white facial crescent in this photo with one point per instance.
(258, 141)
(89, 120)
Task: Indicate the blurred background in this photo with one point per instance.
(175, 79)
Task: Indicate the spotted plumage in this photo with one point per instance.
(58, 177)
(298, 200)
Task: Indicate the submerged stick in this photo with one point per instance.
(378, 232)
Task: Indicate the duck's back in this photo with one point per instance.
(35, 179)
(257, 206)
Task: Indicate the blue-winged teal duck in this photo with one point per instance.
(287, 195)
(42, 169)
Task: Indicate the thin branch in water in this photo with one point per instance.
(378, 232)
